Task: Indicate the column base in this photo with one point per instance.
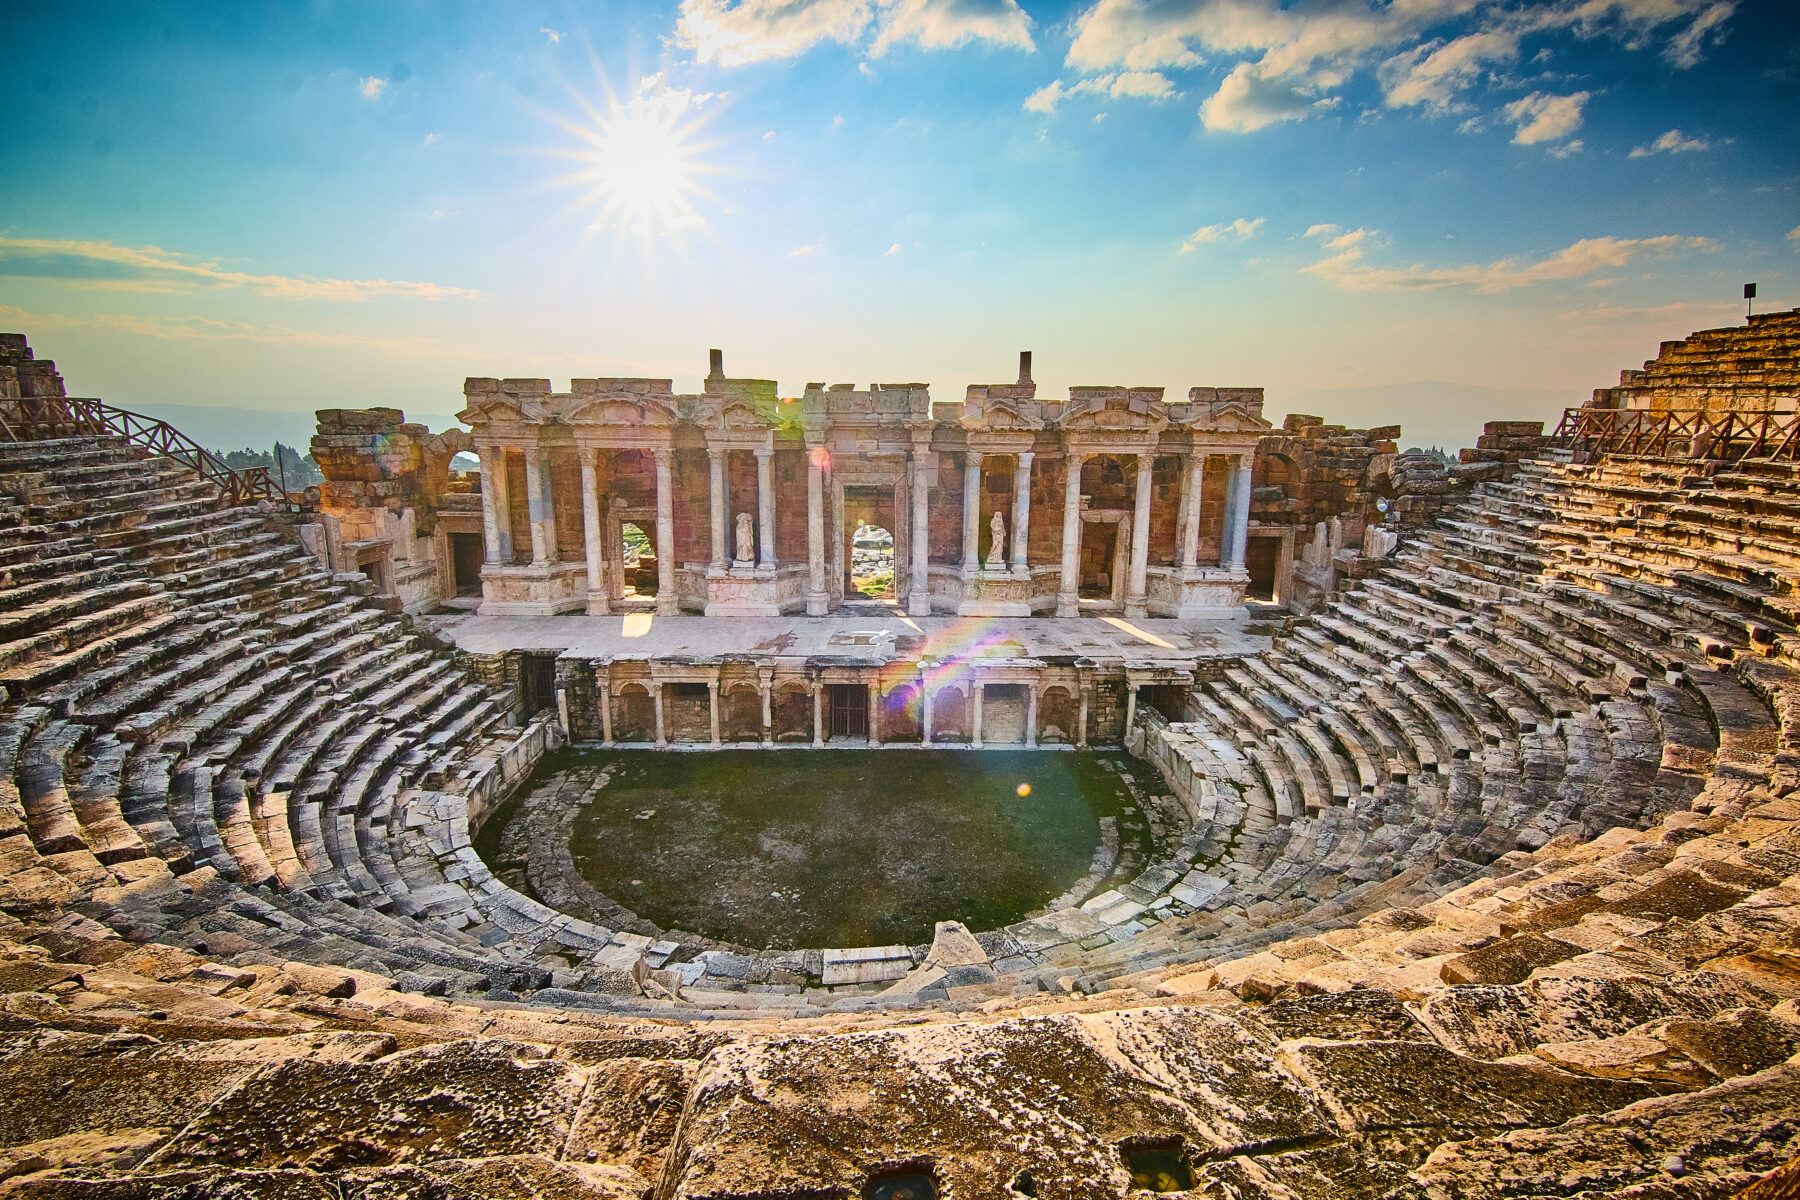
(598, 603)
(817, 604)
(666, 605)
(1137, 606)
(919, 606)
(1068, 604)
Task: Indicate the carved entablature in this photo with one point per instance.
(895, 404)
(1224, 410)
(733, 406)
(1114, 410)
(1002, 408)
(504, 401)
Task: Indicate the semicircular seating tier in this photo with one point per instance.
(1490, 873)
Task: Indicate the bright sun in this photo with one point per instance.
(638, 163)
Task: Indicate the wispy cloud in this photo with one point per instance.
(1211, 235)
(892, 250)
(1149, 85)
(1345, 265)
(1672, 142)
(1794, 234)
(552, 35)
(151, 268)
(371, 87)
(734, 33)
(1541, 117)
(189, 329)
(806, 251)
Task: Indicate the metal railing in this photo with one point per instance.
(35, 418)
(1682, 433)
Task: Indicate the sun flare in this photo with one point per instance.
(639, 162)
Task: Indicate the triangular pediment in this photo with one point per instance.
(1140, 409)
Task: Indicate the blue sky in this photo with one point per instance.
(296, 206)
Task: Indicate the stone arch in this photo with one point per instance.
(950, 714)
(634, 714)
(1058, 714)
(792, 711)
(902, 710)
(740, 716)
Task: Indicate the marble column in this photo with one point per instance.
(925, 712)
(493, 512)
(605, 690)
(816, 600)
(1068, 603)
(665, 532)
(712, 707)
(918, 600)
(537, 502)
(765, 508)
(721, 506)
(971, 513)
(1031, 709)
(1136, 601)
(818, 691)
(1081, 723)
(975, 719)
(1130, 706)
(1192, 483)
(656, 697)
(1241, 478)
(765, 688)
(874, 714)
(590, 534)
(1021, 530)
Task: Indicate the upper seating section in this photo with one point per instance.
(1748, 367)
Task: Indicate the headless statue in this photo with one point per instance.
(746, 540)
(997, 543)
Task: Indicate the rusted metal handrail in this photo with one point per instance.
(35, 418)
(1682, 433)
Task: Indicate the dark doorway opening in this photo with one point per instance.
(849, 712)
(1169, 699)
(1099, 551)
(537, 682)
(466, 556)
(1262, 555)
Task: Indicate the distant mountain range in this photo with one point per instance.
(220, 428)
(1429, 412)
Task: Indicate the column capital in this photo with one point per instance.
(664, 455)
(717, 453)
(763, 451)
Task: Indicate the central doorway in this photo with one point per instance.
(869, 564)
(849, 712)
(637, 551)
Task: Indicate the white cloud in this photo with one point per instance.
(185, 329)
(555, 35)
(1288, 60)
(432, 139)
(1794, 234)
(866, 70)
(805, 251)
(371, 87)
(733, 33)
(1347, 268)
(1228, 231)
(1152, 85)
(892, 250)
(112, 267)
(769, 136)
(1249, 99)
(1325, 230)
(1672, 142)
(1435, 74)
(1541, 117)
(947, 24)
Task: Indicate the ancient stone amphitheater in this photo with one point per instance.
(1490, 888)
